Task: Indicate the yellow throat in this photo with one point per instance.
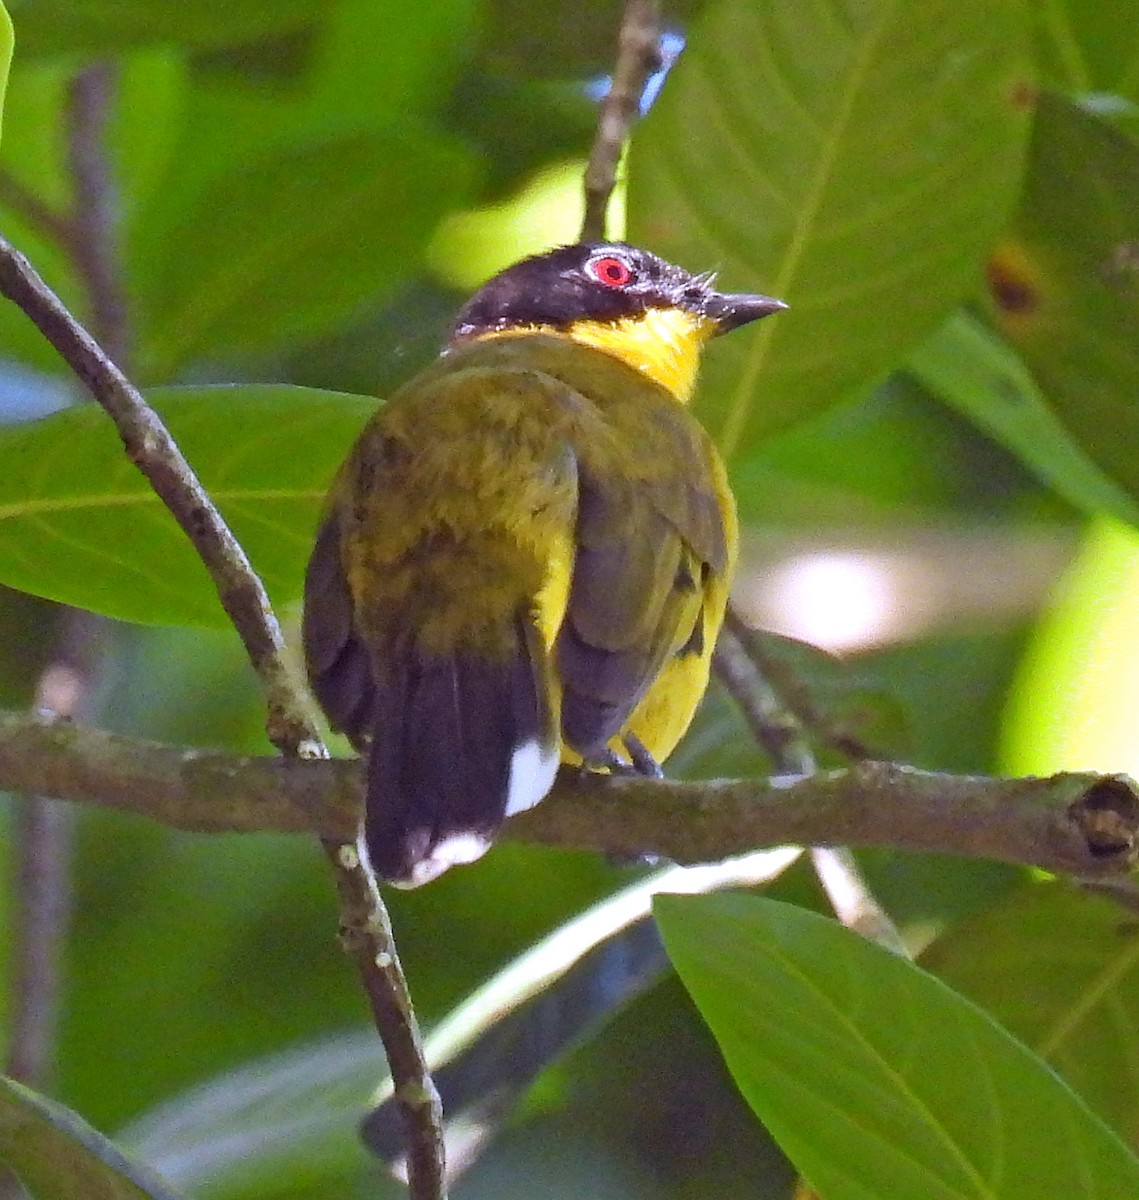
(662, 343)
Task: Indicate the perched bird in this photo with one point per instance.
(526, 556)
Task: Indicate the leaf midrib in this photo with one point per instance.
(52, 504)
(734, 424)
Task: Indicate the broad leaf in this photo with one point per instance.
(292, 1115)
(1088, 45)
(1066, 279)
(969, 368)
(557, 41)
(491, 1047)
(854, 159)
(292, 244)
(79, 524)
(1060, 969)
(58, 1156)
(35, 101)
(6, 39)
(874, 1077)
(57, 27)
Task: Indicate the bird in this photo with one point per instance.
(525, 558)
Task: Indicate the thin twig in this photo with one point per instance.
(364, 921)
(41, 893)
(1077, 823)
(782, 735)
(794, 696)
(638, 56)
(366, 936)
(36, 212)
(853, 902)
(94, 246)
(43, 827)
(773, 727)
(41, 839)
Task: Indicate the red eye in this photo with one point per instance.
(611, 271)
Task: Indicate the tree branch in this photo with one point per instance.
(1076, 823)
(155, 453)
(638, 55)
(782, 734)
(94, 241)
(365, 926)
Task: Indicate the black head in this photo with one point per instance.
(599, 281)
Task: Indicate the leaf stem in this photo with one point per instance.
(638, 56)
(95, 227)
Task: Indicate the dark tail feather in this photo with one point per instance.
(458, 743)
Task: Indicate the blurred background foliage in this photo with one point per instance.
(934, 454)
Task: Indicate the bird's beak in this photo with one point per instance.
(730, 311)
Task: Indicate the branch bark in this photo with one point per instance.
(365, 927)
(638, 55)
(1076, 823)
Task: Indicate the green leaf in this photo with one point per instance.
(555, 996)
(1088, 45)
(874, 1077)
(79, 524)
(291, 1115)
(557, 41)
(856, 160)
(979, 376)
(57, 27)
(6, 42)
(1065, 282)
(291, 245)
(394, 60)
(34, 156)
(59, 1156)
(1059, 969)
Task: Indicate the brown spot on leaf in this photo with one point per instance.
(1016, 287)
(1023, 95)
(1013, 293)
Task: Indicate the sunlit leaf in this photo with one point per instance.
(59, 1156)
(78, 522)
(6, 41)
(1072, 703)
(874, 1077)
(854, 159)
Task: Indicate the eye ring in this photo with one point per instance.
(611, 271)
